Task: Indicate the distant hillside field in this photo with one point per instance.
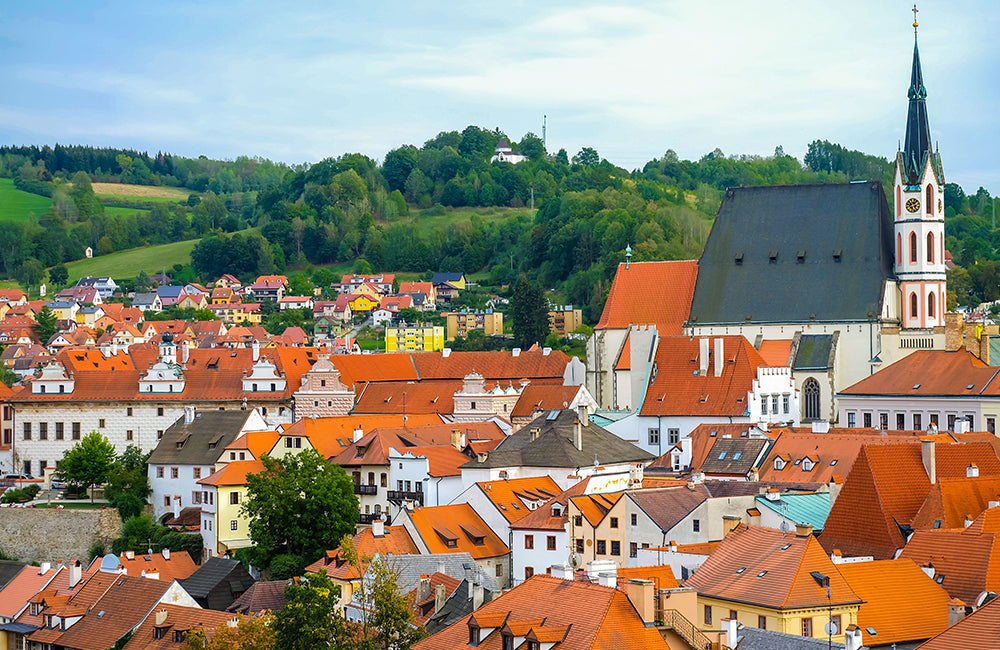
(127, 264)
(141, 192)
(16, 205)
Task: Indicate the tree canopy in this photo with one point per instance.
(529, 313)
(88, 462)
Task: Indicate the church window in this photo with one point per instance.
(930, 199)
(930, 247)
(930, 305)
(913, 248)
(811, 391)
(899, 202)
(899, 248)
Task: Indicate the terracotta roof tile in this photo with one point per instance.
(668, 506)
(970, 632)
(373, 447)
(594, 507)
(442, 460)
(179, 566)
(776, 352)
(262, 596)
(953, 501)
(395, 540)
(513, 497)
(178, 619)
(651, 293)
(21, 588)
(423, 398)
(456, 528)
(931, 372)
(233, 473)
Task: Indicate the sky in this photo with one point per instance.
(632, 80)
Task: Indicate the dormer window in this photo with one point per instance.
(508, 641)
(807, 464)
(473, 634)
(779, 464)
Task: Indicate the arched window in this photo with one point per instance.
(899, 203)
(899, 248)
(930, 305)
(913, 305)
(930, 199)
(811, 390)
(930, 247)
(913, 248)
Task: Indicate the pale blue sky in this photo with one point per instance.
(633, 80)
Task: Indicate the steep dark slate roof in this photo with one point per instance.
(217, 583)
(203, 440)
(772, 255)
(456, 607)
(9, 569)
(554, 447)
(813, 352)
(723, 459)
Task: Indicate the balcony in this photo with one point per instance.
(366, 489)
(367, 518)
(405, 495)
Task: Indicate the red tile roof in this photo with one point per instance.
(931, 373)
(543, 397)
(456, 528)
(179, 566)
(971, 632)
(395, 540)
(776, 353)
(514, 497)
(595, 507)
(575, 615)
(902, 603)
(178, 619)
(424, 398)
(528, 364)
(373, 447)
(442, 460)
(952, 502)
(542, 517)
(651, 293)
(679, 389)
(21, 588)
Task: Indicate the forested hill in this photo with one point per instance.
(442, 206)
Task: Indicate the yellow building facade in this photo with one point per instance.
(414, 338)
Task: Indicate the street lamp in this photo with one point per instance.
(824, 581)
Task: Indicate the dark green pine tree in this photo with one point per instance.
(529, 313)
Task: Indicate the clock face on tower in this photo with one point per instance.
(912, 205)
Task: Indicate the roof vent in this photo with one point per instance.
(837, 254)
(801, 257)
(772, 257)
(916, 386)
(739, 258)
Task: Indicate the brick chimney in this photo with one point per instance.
(578, 434)
(930, 464)
(640, 594)
(719, 356)
(703, 350)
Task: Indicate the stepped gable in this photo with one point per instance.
(823, 251)
(650, 293)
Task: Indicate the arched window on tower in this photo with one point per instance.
(899, 203)
(913, 305)
(811, 390)
(930, 199)
(899, 248)
(930, 248)
(913, 248)
(930, 305)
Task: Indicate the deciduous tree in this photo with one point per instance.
(253, 633)
(308, 620)
(88, 462)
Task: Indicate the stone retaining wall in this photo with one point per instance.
(51, 534)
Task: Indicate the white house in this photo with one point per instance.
(430, 476)
(504, 153)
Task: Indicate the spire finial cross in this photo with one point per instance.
(915, 10)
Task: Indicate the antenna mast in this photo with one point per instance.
(544, 119)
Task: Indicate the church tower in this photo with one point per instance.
(919, 213)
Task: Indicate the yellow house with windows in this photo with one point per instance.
(363, 301)
(597, 527)
(223, 526)
(414, 338)
(774, 580)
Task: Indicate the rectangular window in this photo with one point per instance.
(835, 620)
(867, 420)
(43, 430)
(972, 422)
(159, 471)
(159, 411)
(633, 549)
(807, 627)
(616, 547)
(602, 547)
(528, 572)
(234, 525)
(991, 425)
(288, 443)
(579, 546)
(917, 421)
(383, 478)
(128, 411)
(951, 426)
(708, 615)
(883, 421)
(852, 419)
(774, 404)
(76, 431)
(900, 421)
(197, 472)
(786, 403)
(614, 522)
(654, 436)
(166, 500)
(529, 542)
(934, 419)
(733, 615)
(550, 543)
(129, 435)
(298, 444)
(499, 571)
(175, 472)
(59, 431)
(673, 436)
(234, 498)
(27, 430)
(577, 520)
(696, 525)
(196, 498)
(763, 404)
(634, 519)
(100, 423)
(762, 622)
(399, 485)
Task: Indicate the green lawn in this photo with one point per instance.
(127, 264)
(120, 212)
(426, 222)
(16, 205)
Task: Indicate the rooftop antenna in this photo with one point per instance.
(544, 119)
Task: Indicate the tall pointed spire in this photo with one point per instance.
(917, 144)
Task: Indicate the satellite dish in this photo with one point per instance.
(831, 628)
(575, 561)
(783, 526)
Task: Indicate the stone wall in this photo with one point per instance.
(50, 534)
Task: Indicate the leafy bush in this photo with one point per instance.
(286, 566)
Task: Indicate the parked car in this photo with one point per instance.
(59, 484)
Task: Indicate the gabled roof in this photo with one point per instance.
(233, 473)
(769, 568)
(178, 619)
(544, 518)
(984, 623)
(442, 460)
(952, 502)
(776, 352)
(261, 596)
(28, 581)
(373, 447)
(595, 507)
(179, 566)
(202, 441)
(456, 527)
(926, 373)
(575, 615)
(901, 602)
(733, 456)
(394, 540)
(330, 436)
(544, 397)
(515, 498)
(829, 247)
(668, 506)
(678, 388)
(424, 398)
(202, 584)
(650, 293)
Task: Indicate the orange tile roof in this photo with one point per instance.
(456, 528)
(776, 353)
(594, 507)
(233, 473)
(330, 436)
(425, 288)
(544, 397)
(662, 575)
(258, 443)
(952, 500)
(442, 460)
(179, 566)
(423, 398)
(21, 588)
(767, 567)
(513, 496)
(931, 373)
(971, 631)
(651, 293)
(179, 618)
(902, 603)
(373, 447)
(395, 540)
(678, 389)
(528, 364)
(542, 517)
(577, 616)
(425, 609)
(625, 358)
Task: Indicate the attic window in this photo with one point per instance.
(772, 257)
(871, 631)
(916, 386)
(740, 570)
(969, 387)
(833, 462)
(722, 456)
(837, 254)
(762, 574)
(939, 579)
(737, 455)
(801, 257)
(739, 258)
(713, 434)
(797, 462)
(937, 523)
(786, 547)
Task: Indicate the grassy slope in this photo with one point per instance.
(127, 264)
(142, 192)
(16, 205)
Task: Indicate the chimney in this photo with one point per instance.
(152, 575)
(477, 595)
(185, 350)
(439, 597)
(640, 594)
(166, 554)
(852, 638)
(803, 530)
(820, 426)
(378, 528)
(424, 588)
(672, 546)
(729, 523)
(188, 414)
(44, 568)
(929, 570)
(129, 555)
(607, 579)
(177, 506)
(972, 471)
(596, 567)
(773, 494)
(561, 571)
(75, 573)
(836, 483)
(161, 617)
(930, 464)
(256, 350)
(702, 357)
(358, 434)
(718, 356)
(993, 503)
(578, 434)
(962, 425)
(446, 352)
(456, 439)
(956, 611)
(731, 628)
